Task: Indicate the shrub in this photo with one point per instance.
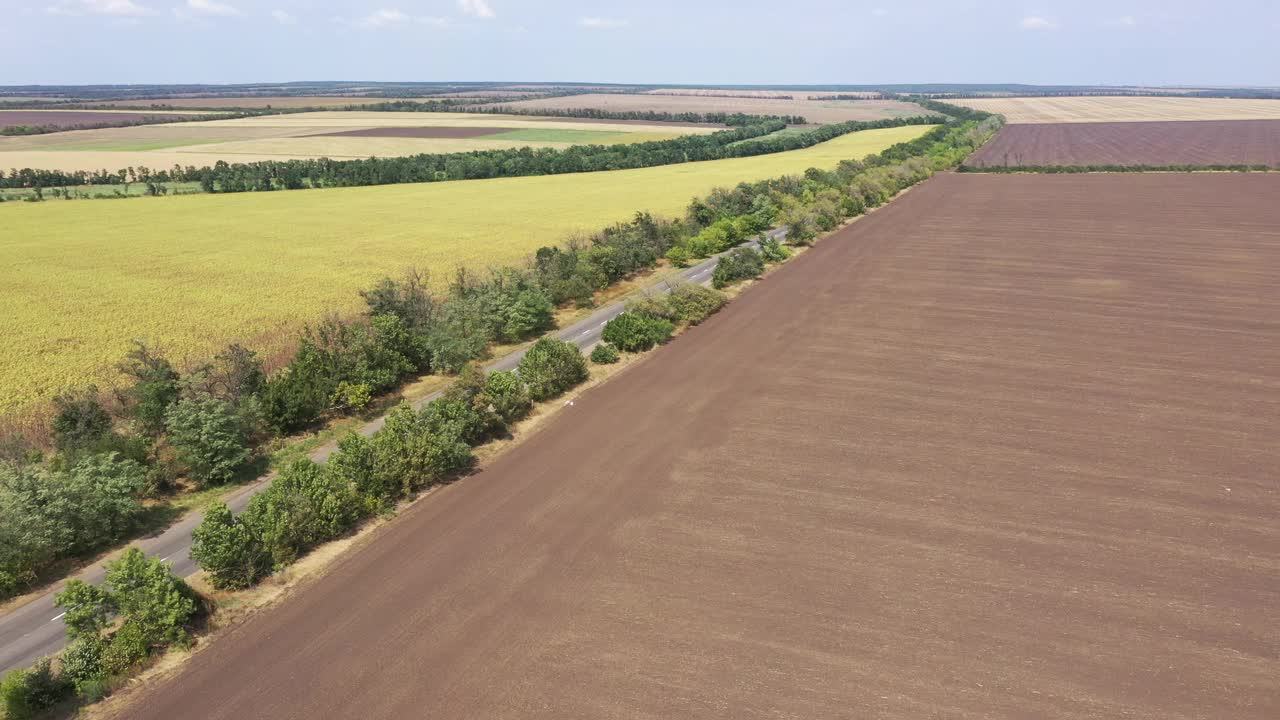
(24, 693)
(82, 664)
(209, 439)
(508, 396)
(634, 332)
(80, 421)
(551, 367)
(351, 396)
(303, 507)
(226, 549)
(694, 303)
(772, 250)
(604, 354)
(741, 264)
(151, 598)
(125, 650)
(679, 256)
(653, 305)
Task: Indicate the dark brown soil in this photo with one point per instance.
(418, 132)
(77, 118)
(1004, 449)
(1203, 142)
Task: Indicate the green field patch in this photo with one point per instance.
(133, 145)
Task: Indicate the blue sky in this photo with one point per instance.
(657, 41)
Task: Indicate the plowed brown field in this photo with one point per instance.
(1004, 449)
(1224, 142)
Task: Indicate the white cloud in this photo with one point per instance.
(392, 17)
(1035, 22)
(211, 7)
(383, 18)
(119, 8)
(283, 17)
(476, 8)
(599, 23)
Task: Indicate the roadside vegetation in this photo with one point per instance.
(207, 424)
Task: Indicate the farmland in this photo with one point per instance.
(815, 111)
(80, 118)
(1123, 109)
(1203, 142)
(338, 135)
(1004, 449)
(193, 272)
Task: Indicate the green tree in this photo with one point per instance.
(80, 421)
(209, 439)
(150, 597)
(155, 386)
(227, 550)
(87, 608)
(741, 264)
(551, 367)
(636, 332)
(508, 396)
(26, 692)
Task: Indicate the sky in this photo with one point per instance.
(1115, 42)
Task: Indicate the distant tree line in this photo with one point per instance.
(15, 130)
(515, 162)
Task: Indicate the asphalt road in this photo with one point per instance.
(36, 629)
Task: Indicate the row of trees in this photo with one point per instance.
(308, 504)
(515, 162)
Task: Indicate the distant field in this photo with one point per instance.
(255, 102)
(80, 279)
(797, 94)
(77, 118)
(828, 111)
(1198, 142)
(1122, 109)
(339, 135)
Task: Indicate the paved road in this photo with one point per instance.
(36, 629)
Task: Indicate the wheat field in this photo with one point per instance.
(80, 279)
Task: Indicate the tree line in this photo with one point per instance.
(515, 162)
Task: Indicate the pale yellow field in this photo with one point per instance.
(1122, 109)
(79, 279)
(294, 136)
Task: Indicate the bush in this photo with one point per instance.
(634, 332)
(604, 354)
(24, 693)
(226, 549)
(126, 649)
(87, 608)
(741, 264)
(303, 507)
(772, 250)
(80, 421)
(209, 439)
(154, 389)
(551, 367)
(151, 598)
(508, 396)
(694, 303)
(678, 256)
(82, 664)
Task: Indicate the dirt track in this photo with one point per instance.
(1206, 142)
(1005, 449)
